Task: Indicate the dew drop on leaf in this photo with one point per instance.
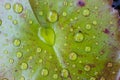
(44, 72)
(86, 12)
(78, 37)
(73, 56)
(52, 16)
(64, 73)
(7, 6)
(16, 42)
(24, 66)
(19, 54)
(18, 8)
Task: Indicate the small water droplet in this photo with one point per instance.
(87, 68)
(73, 56)
(11, 60)
(10, 17)
(44, 72)
(17, 42)
(30, 21)
(102, 78)
(30, 58)
(52, 16)
(6, 51)
(55, 76)
(64, 14)
(24, 66)
(4, 79)
(41, 13)
(15, 22)
(64, 73)
(0, 22)
(40, 60)
(18, 8)
(86, 12)
(88, 26)
(78, 37)
(87, 49)
(7, 6)
(19, 54)
(94, 22)
(39, 50)
(22, 78)
(92, 78)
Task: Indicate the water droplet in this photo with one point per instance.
(44, 72)
(0, 22)
(39, 50)
(30, 58)
(47, 35)
(64, 14)
(64, 73)
(52, 16)
(88, 26)
(24, 66)
(7, 6)
(65, 3)
(86, 12)
(18, 8)
(15, 22)
(87, 68)
(19, 54)
(102, 78)
(6, 51)
(87, 49)
(41, 13)
(55, 76)
(10, 17)
(30, 21)
(4, 79)
(78, 37)
(40, 60)
(92, 78)
(17, 42)
(73, 56)
(94, 22)
(11, 60)
(22, 78)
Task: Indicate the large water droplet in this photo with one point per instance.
(24, 66)
(78, 37)
(44, 72)
(64, 73)
(47, 35)
(17, 42)
(19, 54)
(18, 8)
(72, 56)
(52, 16)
